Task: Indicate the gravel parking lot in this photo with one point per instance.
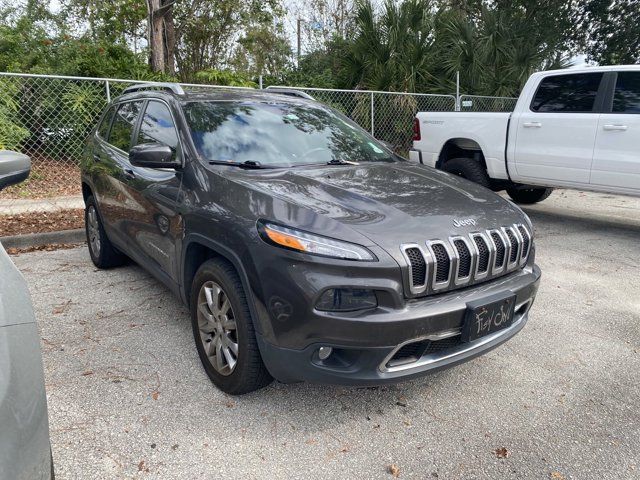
(129, 399)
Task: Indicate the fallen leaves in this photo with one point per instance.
(502, 452)
(393, 470)
(155, 394)
(40, 222)
(556, 476)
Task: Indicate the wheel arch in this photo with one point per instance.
(461, 147)
(197, 249)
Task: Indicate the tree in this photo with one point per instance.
(207, 31)
(392, 50)
(162, 37)
(612, 31)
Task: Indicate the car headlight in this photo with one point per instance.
(314, 244)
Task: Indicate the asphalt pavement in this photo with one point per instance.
(129, 399)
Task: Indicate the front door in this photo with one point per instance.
(616, 157)
(153, 224)
(555, 135)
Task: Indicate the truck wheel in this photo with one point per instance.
(528, 196)
(469, 169)
(103, 253)
(223, 330)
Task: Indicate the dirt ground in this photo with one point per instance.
(48, 178)
(40, 222)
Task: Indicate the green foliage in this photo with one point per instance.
(613, 31)
(322, 68)
(223, 77)
(11, 132)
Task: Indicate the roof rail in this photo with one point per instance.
(172, 87)
(292, 92)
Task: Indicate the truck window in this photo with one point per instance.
(626, 98)
(567, 93)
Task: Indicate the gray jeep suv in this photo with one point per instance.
(304, 248)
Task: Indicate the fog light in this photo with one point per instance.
(324, 352)
(346, 300)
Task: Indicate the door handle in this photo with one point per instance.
(615, 127)
(532, 124)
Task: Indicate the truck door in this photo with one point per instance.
(555, 135)
(616, 156)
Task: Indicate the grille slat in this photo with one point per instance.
(442, 262)
(464, 260)
(525, 241)
(418, 266)
(483, 254)
(513, 254)
(464, 267)
(500, 249)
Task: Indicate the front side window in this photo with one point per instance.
(123, 123)
(567, 93)
(278, 134)
(626, 98)
(157, 125)
(103, 128)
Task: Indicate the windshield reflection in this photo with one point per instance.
(278, 134)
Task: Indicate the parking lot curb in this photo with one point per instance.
(47, 238)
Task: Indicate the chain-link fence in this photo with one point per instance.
(49, 118)
(387, 115)
(477, 103)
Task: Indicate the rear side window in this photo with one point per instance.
(123, 123)
(157, 125)
(567, 93)
(103, 128)
(626, 98)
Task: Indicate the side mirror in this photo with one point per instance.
(153, 155)
(14, 168)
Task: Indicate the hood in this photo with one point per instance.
(390, 204)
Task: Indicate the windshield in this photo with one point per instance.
(274, 134)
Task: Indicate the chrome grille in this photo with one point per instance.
(464, 260)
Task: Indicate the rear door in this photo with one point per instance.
(112, 168)
(556, 134)
(616, 158)
(152, 222)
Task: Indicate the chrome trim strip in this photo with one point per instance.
(434, 359)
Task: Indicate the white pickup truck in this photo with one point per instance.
(570, 128)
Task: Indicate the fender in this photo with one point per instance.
(229, 255)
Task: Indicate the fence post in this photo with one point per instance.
(260, 80)
(372, 115)
(458, 91)
(106, 86)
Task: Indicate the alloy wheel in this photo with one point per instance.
(93, 230)
(217, 325)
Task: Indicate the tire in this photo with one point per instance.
(468, 168)
(221, 323)
(529, 196)
(103, 253)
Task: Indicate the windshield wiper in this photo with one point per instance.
(335, 161)
(248, 164)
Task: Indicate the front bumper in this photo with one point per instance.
(364, 345)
